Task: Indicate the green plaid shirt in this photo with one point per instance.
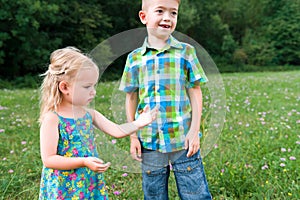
(161, 77)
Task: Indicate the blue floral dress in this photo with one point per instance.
(76, 139)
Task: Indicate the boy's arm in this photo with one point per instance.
(131, 105)
(192, 139)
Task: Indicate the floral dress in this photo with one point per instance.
(76, 139)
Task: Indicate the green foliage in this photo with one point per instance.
(277, 41)
(284, 30)
(24, 43)
(31, 29)
(26, 81)
(239, 58)
(123, 15)
(268, 31)
(187, 20)
(83, 23)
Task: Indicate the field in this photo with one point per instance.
(256, 155)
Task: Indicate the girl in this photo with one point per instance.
(72, 169)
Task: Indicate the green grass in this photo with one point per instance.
(256, 156)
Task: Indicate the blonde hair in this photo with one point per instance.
(144, 3)
(64, 65)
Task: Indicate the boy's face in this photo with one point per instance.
(160, 17)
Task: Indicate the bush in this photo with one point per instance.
(31, 30)
(239, 59)
(27, 81)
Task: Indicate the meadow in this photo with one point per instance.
(256, 155)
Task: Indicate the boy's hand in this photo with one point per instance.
(96, 164)
(146, 117)
(135, 148)
(192, 143)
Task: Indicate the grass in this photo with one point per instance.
(255, 157)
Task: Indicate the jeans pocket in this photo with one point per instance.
(155, 181)
(190, 177)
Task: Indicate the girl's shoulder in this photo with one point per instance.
(50, 117)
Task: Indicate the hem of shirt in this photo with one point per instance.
(162, 150)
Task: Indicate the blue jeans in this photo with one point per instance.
(189, 175)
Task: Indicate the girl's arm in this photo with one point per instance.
(122, 130)
(49, 137)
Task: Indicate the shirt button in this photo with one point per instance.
(189, 168)
(148, 172)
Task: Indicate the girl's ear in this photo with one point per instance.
(142, 15)
(63, 86)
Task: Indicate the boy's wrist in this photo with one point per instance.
(194, 130)
(133, 136)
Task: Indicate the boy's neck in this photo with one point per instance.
(157, 43)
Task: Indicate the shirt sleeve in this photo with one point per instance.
(195, 72)
(129, 80)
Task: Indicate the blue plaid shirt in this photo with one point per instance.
(161, 77)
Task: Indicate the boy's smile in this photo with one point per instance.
(165, 26)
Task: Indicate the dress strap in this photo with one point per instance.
(56, 113)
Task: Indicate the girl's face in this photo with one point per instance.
(160, 17)
(83, 89)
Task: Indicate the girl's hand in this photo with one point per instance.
(146, 117)
(96, 164)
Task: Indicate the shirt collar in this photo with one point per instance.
(171, 43)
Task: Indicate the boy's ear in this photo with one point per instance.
(63, 86)
(142, 15)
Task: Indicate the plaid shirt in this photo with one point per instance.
(161, 77)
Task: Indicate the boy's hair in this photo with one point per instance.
(144, 3)
(64, 65)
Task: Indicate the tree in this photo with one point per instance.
(31, 29)
(22, 42)
(284, 31)
(277, 40)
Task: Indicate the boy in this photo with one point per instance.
(166, 73)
